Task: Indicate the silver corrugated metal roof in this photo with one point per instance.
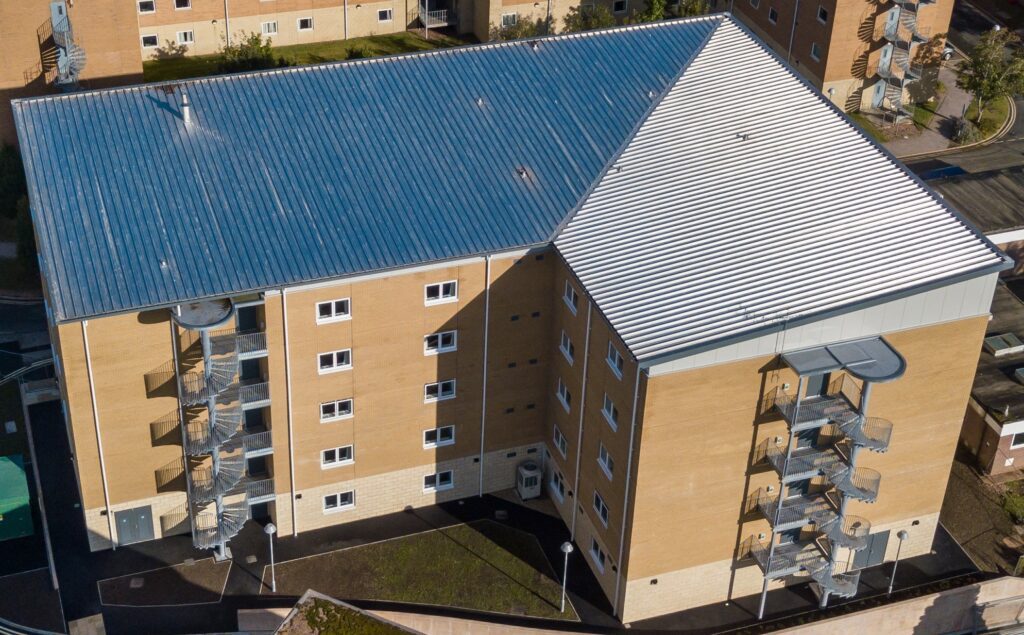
(744, 200)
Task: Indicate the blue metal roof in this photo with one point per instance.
(291, 176)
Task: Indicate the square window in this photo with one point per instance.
(305, 24)
(568, 350)
(509, 19)
(1017, 440)
(339, 501)
(610, 412)
(437, 343)
(822, 14)
(600, 508)
(564, 396)
(268, 28)
(815, 52)
(441, 292)
(572, 299)
(557, 484)
(597, 554)
(615, 360)
(147, 6)
(438, 437)
(182, 4)
(604, 459)
(334, 457)
(335, 361)
(561, 443)
(619, 6)
(334, 410)
(332, 310)
(440, 391)
(186, 37)
(438, 481)
(150, 41)
(384, 15)
(773, 16)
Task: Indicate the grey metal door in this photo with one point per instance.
(874, 553)
(134, 525)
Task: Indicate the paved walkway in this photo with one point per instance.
(939, 134)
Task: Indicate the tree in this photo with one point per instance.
(586, 18)
(989, 73)
(689, 8)
(251, 53)
(520, 29)
(655, 11)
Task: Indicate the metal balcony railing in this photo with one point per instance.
(803, 463)
(197, 388)
(202, 438)
(259, 491)
(860, 483)
(251, 344)
(873, 433)
(850, 532)
(796, 511)
(254, 395)
(257, 444)
(838, 404)
(842, 584)
(786, 559)
(211, 529)
(205, 486)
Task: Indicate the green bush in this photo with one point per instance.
(966, 132)
(359, 51)
(12, 181)
(1013, 503)
(252, 53)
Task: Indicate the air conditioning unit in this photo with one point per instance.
(528, 478)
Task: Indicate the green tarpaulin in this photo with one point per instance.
(15, 512)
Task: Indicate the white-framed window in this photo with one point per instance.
(182, 4)
(822, 14)
(335, 361)
(604, 459)
(815, 52)
(557, 484)
(304, 24)
(755, 3)
(339, 502)
(186, 37)
(147, 6)
(336, 457)
(441, 292)
(564, 396)
(509, 19)
(439, 391)
(268, 28)
(331, 310)
(600, 508)
(568, 350)
(610, 412)
(438, 481)
(773, 15)
(443, 342)
(597, 554)
(384, 15)
(335, 410)
(1017, 441)
(561, 443)
(150, 41)
(438, 437)
(619, 6)
(572, 299)
(614, 359)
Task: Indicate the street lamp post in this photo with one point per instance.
(270, 530)
(902, 535)
(566, 549)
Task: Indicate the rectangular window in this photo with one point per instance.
(305, 24)
(332, 310)
(384, 15)
(147, 6)
(568, 350)
(334, 410)
(438, 482)
(440, 391)
(438, 437)
(150, 42)
(1017, 441)
(335, 457)
(572, 299)
(604, 459)
(186, 37)
(444, 342)
(610, 412)
(619, 6)
(615, 360)
(815, 52)
(600, 508)
(268, 28)
(182, 4)
(339, 501)
(822, 14)
(335, 361)
(773, 16)
(441, 292)
(561, 443)
(564, 395)
(509, 19)
(557, 484)
(597, 554)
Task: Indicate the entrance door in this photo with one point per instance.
(874, 553)
(134, 525)
(817, 385)
(879, 94)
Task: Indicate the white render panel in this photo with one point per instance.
(966, 299)
(725, 215)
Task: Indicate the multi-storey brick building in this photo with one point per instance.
(304, 312)
(861, 53)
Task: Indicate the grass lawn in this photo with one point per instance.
(483, 566)
(869, 127)
(201, 582)
(995, 116)
(923, 114)
(300, 54)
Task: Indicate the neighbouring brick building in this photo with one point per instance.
(716, 335)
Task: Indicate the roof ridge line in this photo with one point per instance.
(657, 101)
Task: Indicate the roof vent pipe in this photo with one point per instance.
(186, 109)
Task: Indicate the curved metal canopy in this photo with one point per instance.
(872, 359)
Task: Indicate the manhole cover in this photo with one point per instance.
(136, 583)
(250, 559)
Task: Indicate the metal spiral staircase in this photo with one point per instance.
(70, 57)
(818, 472)
(902, 34)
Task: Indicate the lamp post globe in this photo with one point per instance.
(566, 549)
